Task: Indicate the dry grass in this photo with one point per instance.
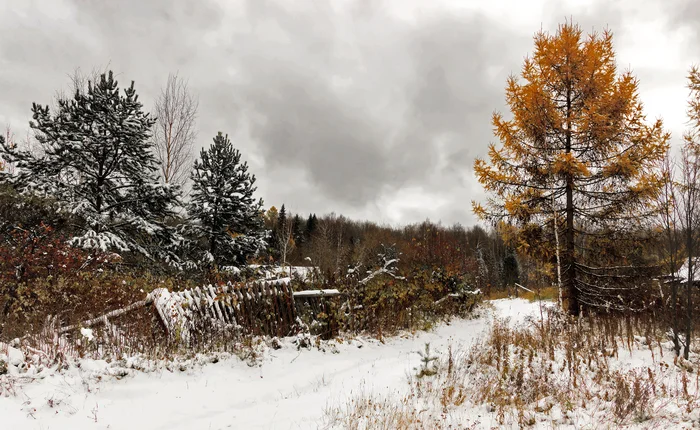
(581, 364)
(139, 334)
(602, 372)
(367, 412)
(576, 365)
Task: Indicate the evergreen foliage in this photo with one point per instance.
(96, 160)
(511, 269)
(311, 223)
(428, 363)
(225, 217)
(298, 230)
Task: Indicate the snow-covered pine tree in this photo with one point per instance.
(224, 214)
(428, 362)
(96, 160)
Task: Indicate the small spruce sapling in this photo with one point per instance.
(428, 365)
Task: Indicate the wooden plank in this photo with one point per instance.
(214, 303)
(279, 316)
(221, 304)
(270, 307)
(316, 293)
(241, 312)
(250, 306)
(284, 315)
(228, 305)
(291, 305)
(265, 310)
(191, 300)
(104, 318)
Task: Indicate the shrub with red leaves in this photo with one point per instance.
(35, 262)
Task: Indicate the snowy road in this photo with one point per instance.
(290, 390)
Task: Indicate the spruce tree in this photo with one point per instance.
(96, 160)
(225, 216)
(280, 232)
(282, 218)
(511, 268)
(298, 230)
(310, 225)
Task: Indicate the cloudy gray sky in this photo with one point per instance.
(370, 108)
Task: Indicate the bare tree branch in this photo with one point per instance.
(175, 130)
(79, 83)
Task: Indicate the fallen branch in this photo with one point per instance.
(386, 269)
(105, 318)
(448, 296)
(523, 288)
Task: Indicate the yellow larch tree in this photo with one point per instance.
(577, 157)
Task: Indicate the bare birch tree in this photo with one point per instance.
(690, 194)
(670, 222)
(285, 240)
(175, 130)
(689, 205)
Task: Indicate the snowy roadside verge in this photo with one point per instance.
(543, 372)
(287, 388)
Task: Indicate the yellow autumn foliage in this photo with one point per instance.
(577, 145)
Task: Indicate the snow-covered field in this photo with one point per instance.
(290, 389)
(347, 384)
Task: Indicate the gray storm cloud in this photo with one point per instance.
(373, 109)
(686, 13)
(339, 106)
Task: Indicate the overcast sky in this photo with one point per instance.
(373, 109)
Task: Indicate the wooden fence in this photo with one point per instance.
(261, 308)
(269, 308)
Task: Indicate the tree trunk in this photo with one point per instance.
(558, 253)
(212, 249)
(674, 310)
(571, 299)
(689, 297)
(168, 153)
(672, 240)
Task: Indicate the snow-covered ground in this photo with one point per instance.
(291, 389)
